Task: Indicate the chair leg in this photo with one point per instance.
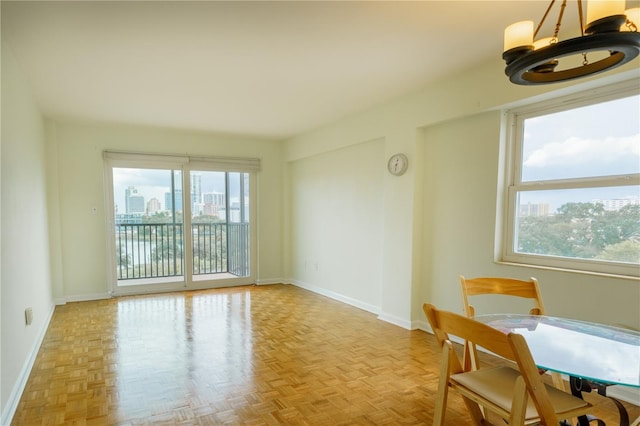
(441, 404)
(519, 406)
(475, 412)
(443, 388)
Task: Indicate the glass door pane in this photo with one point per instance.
(148, 226)
(219, 225)
(208, 229)
(238, 224)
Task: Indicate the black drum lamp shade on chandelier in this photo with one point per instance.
(610, 30)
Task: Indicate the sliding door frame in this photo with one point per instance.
(113, 159)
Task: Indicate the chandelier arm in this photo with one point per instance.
(543, 18)
(580, 17)
(559, 23)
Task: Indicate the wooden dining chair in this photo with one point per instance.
(526, 289)
(514, 392)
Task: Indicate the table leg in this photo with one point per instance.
(579, 385)
(624, 415)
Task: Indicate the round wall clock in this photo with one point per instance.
(398, 164)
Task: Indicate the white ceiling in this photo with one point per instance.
(269, 69)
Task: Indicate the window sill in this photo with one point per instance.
(571, 271)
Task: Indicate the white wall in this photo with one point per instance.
(78, 179)
(25, 277)
(439, 219)
(460, 192)
(338, 205)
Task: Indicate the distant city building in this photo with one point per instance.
(196, 192)
(197, 209)
(153, 206)
(215, 198)
(617, 204)
(168, 201)
(212, 203)
(532, 209)
(210, 209)
(234, 213)
(134, 202)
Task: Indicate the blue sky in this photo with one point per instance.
(597, 140)
(153, 183)
(600, 140)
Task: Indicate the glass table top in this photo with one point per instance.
(591, 351)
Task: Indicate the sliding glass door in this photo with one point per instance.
(173, 227)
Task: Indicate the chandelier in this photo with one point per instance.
(610, 31)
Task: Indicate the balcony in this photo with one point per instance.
(156, 250)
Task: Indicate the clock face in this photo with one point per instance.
(398, 164)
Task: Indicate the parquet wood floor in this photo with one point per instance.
(250, 355)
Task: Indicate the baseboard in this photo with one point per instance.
(270, 281)
(421, 325)
(10, 408)
(400, 322)
(395, 321)
(337, 296)
(86, 297)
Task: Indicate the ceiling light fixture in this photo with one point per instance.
(609, 29)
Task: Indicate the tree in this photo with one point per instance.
(203, 218)
(583, 230)
(162, 217)
(122, 259)
(626, 251)
(168, 250)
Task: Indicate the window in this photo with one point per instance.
(573, 189)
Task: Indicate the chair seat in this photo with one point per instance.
(497, 384)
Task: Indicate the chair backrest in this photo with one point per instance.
(528, 289)
(445, 323)
(510, 346)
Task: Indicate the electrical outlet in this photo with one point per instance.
(28, 316)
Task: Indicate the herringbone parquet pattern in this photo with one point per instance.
(249, 355)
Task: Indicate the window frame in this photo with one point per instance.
(513, 185)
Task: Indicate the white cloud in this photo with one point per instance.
(576, 151)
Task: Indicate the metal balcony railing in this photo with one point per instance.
(155, 250)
